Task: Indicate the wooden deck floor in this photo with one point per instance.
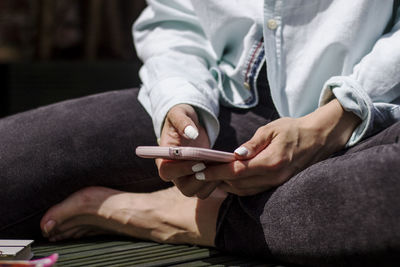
(126, 252)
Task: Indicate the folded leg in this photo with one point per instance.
(344, 210)
(49, 153)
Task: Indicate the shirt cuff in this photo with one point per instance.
(352, 98)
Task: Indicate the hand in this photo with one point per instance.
(283, 148)
(182, 128)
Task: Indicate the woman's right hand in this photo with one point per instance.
(182, 128)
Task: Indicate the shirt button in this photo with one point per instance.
(246, 85)
(272, 24)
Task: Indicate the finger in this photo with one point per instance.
(231, 171)
(261, 139)
(262, 183)
(255, 184)
(276, 157)
(184, 119)
(173, 169)
(188, 185)
(226, 187)
(206, 191)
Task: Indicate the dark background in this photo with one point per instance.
(51, 50)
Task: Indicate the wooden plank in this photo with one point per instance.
(118, 252)
(98, 249)
(119, 255)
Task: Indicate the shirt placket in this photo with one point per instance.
(272, 30)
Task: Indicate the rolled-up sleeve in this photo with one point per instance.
(372, 91)
(177, 57)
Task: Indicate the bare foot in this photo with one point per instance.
(165, 216)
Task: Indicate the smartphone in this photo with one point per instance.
(184, 153)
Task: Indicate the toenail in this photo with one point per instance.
(198, 167)
(49, 226)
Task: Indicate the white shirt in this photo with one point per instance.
(206, 52)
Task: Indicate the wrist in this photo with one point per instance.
(334, 124)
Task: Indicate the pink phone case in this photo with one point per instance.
(184, 153)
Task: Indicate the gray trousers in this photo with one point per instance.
(344, 210)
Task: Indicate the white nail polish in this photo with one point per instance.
(191, 132)
(241, 151)
(198, 167)
(200, 176)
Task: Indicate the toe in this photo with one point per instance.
(48, 227)
(87, 201)
(76, 204)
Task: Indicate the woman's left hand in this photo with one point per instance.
(283, 148)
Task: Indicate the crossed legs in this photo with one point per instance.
(79, 154)
(342, 211)
(165, 216)
(51, 152)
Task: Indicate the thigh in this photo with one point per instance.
(343, 210)
(48, 153)
(389, 135)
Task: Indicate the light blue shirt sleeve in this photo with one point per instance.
(372, 91)
(177, 57)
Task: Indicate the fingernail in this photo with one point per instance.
(241, 151)
(49, 226)
(191, 132)
(198, 167)
(200, 176)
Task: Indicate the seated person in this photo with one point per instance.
(307, 95)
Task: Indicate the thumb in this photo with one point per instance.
(183, 118)
(261, 139)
